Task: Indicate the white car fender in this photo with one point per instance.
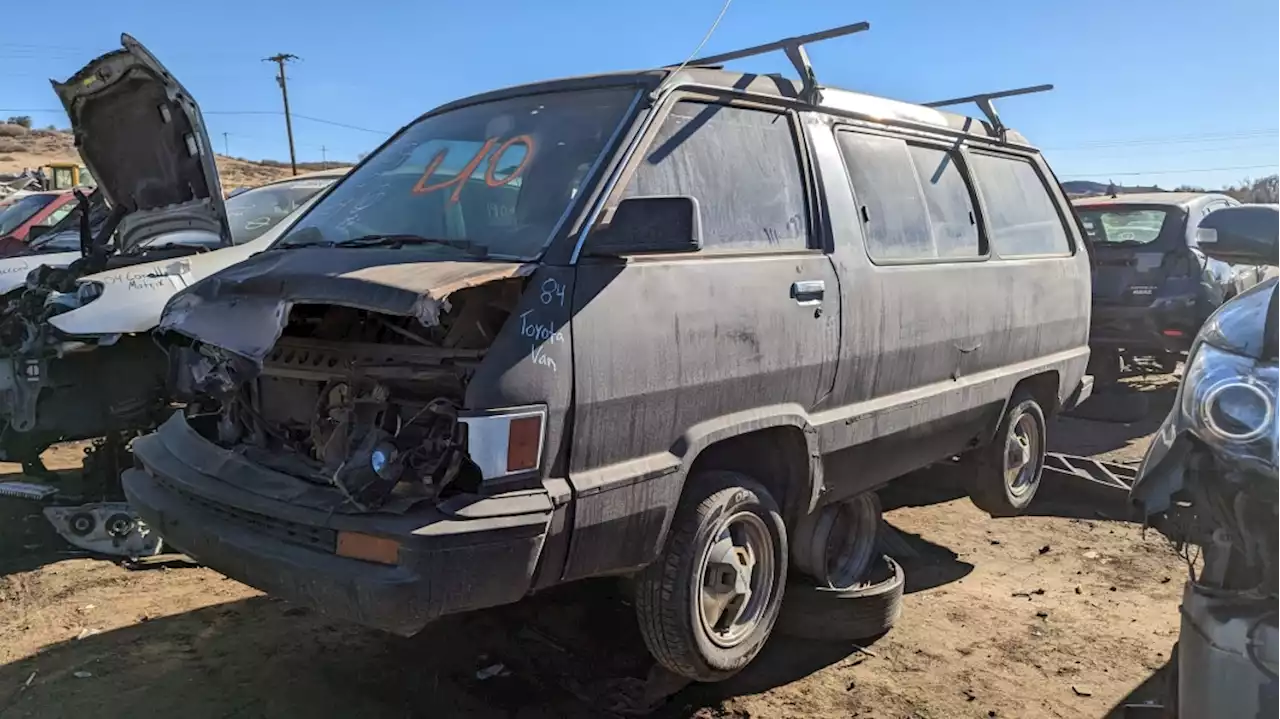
(14, 270)
(133, 297)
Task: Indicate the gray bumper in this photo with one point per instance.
(466, 553)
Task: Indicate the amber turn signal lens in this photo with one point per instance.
(368, 548)
(524, 437)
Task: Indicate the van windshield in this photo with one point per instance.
(1123, 226)
(496, 176)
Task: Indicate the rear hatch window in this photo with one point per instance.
(1136, 248)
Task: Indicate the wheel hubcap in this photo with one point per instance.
(1021, 450)
(737, 579)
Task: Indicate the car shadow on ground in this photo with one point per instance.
(1108, 422)
(1149, 697)
(572, 652)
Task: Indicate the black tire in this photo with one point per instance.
(984, 467)
(1105, 365)
(667, 592)
(861, 612)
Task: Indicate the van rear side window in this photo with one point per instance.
(914, 201)
(1020, 214)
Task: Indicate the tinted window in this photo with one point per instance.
(1021, 215)
(914, 201)
(740, 165)
(56, 216)
(1121, 226)
(20, 210)
(497, 174)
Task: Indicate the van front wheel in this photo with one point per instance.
(1003, 476)
(709, 601)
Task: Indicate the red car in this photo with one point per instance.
(38, 209)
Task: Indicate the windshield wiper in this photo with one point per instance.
(394, 241)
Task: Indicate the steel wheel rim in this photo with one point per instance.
(1021, 453)
(847, 553)
(735, 579)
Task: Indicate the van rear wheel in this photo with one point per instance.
(1003, 476)
(708, 603)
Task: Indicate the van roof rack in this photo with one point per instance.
(983, 101)
(794, 48)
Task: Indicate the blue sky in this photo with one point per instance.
(1144, 87)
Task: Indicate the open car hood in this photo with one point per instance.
(141, 135)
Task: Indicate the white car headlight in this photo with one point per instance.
(1229, 401)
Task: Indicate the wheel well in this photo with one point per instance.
(777, 457)
(1043, 388)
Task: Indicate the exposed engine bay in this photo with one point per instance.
(361, 401)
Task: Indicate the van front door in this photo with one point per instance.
(671, 349)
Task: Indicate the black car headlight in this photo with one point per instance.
(1229, 401)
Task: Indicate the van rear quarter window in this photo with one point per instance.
(741, 166)
(1021, 216)
(914, 201)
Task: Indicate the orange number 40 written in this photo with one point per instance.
(457, 182)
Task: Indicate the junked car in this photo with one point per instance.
(76, 357)
(1153, 286)
(22, 215)
(1209, 481)
(675, 325)
(58, 247)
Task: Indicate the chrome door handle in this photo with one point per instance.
(808, 292)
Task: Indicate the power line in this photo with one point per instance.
(1179, 139)
(1171, 172)
(309, 118)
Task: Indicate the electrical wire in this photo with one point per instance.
(710, 31)
(1171, 172)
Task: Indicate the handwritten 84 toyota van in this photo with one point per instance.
(674, 324)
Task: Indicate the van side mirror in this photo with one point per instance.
(650, 224)
(36, 230)
(1242, 235)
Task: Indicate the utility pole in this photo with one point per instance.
(280, 59)
(324, 157)
(226, 146)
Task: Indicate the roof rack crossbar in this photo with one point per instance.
(794, 48)
(984, 103)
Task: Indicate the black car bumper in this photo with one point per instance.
(466, 553)
(1169, 324)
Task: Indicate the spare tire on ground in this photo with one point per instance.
(867, 610)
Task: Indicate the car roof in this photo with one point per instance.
(316, 175)
(1172, 199)
(833, 100)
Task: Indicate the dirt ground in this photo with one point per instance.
(1038, 616)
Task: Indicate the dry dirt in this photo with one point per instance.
(1038, 616)
(41, 147)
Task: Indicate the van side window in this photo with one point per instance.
(1020, 213)
(914, 201)
(742, 167)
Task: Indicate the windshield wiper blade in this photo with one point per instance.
(402, 240)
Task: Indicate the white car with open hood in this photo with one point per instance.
(77, 360)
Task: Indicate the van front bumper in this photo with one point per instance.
(465, 553)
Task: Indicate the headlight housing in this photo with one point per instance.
(1229, 401)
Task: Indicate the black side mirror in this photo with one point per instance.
(652, 224)
(37, 230)
(1242, 235)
